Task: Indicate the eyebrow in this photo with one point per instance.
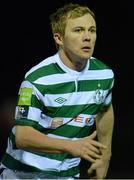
(81, 27)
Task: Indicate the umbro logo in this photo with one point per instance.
(60, 100)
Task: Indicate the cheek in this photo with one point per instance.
(94, 38)
(94, 41)
(71, 43)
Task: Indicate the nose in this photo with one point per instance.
(86, 36)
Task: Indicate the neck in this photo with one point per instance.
(77, 65)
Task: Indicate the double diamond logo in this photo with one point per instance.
(60, 100)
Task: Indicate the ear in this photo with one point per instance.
(58, 39)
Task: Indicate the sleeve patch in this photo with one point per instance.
(22, 112)
(25, 96)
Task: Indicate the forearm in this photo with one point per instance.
(28, 138)
(104, 126)
(31, 139)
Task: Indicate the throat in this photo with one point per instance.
(79, 66)
(72, 63)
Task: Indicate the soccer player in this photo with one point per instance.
(59, 102)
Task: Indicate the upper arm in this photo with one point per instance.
(105, 120)
(29, 106)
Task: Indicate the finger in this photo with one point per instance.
(88, 158)
(94, 149)
(93, 154)
(98, 144)
(94, 166)
(91, 170)
(93, 135)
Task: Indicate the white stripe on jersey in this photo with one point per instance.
(45, 62)
(62, 78)
(41, 162)
(77, 98)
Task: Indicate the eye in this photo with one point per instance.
(92, 30)
(78, 30)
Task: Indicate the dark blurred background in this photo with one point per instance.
(26, 40)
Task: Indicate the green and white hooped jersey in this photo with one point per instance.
(49, 91)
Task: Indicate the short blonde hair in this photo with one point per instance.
(59, 18)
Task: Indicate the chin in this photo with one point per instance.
(86, 57)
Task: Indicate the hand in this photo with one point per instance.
(98, 169)
(86, 148)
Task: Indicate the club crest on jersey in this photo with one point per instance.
(99, 95)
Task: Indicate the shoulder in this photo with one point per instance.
(96, 63)
(100, 66)
(41, 69)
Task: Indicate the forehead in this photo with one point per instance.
(84, 21)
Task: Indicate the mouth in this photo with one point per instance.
(86, 48)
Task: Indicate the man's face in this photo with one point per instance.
(80, 37)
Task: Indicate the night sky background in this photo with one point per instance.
(26, 40)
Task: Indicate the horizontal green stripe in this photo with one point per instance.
(96, 64)
(72, 110)
(71, 131)
(44, 71)
(14, 164)
(31, 123)
(36, 103)
(64, 130)
(56, 88)
(26, 122)
(92, 85)
(69, 87)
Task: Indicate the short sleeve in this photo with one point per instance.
(29, 105)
